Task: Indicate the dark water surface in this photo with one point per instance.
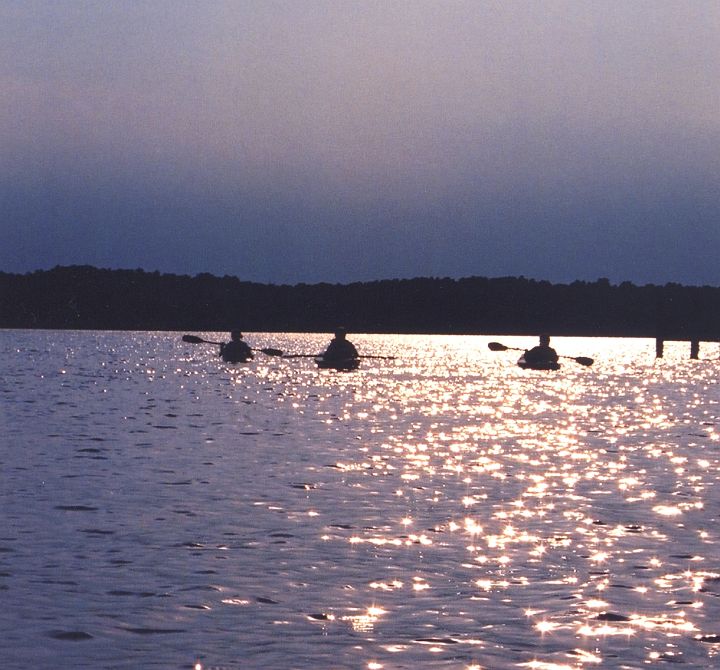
(162, 509)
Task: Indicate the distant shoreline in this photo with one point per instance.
(88, 298)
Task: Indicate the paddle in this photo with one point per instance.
(194, 339)
(496, 346)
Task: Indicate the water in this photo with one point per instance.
(161, 509)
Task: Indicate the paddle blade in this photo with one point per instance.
(272, 352)
(193, 339)
(583, 360)
(496, 346)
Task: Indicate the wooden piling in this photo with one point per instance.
(659, 347)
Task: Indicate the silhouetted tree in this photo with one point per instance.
(87, 297)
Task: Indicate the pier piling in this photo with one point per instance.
(659, 347)
(694, 348)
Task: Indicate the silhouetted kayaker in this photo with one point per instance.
(541, 354)
(340, 348)
(237, 350)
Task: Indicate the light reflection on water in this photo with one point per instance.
(445, 509)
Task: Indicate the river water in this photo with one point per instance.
(445, 509)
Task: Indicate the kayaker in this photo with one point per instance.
(236, 350)
(543, 353)
(340, 348)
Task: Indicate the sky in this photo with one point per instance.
(288, 141)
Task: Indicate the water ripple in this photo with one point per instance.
(445, 509)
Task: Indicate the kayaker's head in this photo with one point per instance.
(236, 335)
(544, 340)
(340, 333)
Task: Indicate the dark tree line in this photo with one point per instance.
(85, 297)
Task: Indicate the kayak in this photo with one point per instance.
(343, 364)
(235, 351)
(539, 365)
(235, 359)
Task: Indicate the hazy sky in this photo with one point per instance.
(310, 140)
